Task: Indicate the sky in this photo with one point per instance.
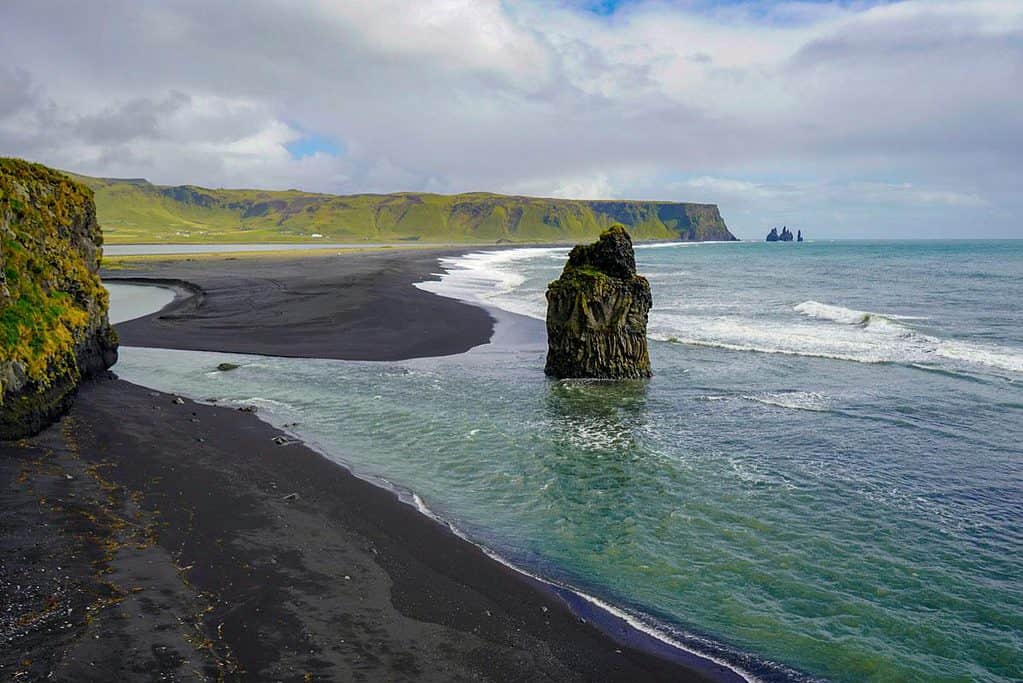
(859, 118)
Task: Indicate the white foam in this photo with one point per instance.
(488, 277)
(861, 336)
(793, 400)
(822, 330)
(1001, 359)
(848, 316)
(262, 402)
(633, 620)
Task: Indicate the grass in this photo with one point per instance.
(50, 292)
(136, 211)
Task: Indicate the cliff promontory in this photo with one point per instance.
(597, 312)
(135, 210)
(53, 310)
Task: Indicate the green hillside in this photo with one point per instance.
(136, 211)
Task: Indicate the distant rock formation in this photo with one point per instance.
(785, 236)
(53, 309)
(597, 312)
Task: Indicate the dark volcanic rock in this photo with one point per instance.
(785, 236)
(597, 312)
(53, 309)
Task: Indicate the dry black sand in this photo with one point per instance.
(146, 539)
(349, 306)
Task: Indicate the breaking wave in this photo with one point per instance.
(515, 279)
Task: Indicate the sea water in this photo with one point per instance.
(128, 302)
(824, 478)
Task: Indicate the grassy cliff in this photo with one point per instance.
(53, 309)
(138, 211)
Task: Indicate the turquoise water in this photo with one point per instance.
(823, 480)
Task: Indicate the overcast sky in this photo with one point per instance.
(898, 119)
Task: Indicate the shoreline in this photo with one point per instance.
(512, 331)
(348, 306)
(656, 657)
(205, 520)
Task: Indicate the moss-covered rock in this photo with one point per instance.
(53, 309)
(597, 312)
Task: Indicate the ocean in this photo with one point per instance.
(823, 480)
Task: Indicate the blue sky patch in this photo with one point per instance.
(757, 8)
(313, 144)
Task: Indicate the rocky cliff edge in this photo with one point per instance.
(54, 329)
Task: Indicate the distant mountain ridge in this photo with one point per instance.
(135, 210)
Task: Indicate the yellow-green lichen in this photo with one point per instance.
(50, 293)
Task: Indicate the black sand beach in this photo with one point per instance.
(145, 538)
(348, 306)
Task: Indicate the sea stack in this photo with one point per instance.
(785, 236)
(53, 309)
(597, 312)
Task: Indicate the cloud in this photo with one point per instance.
(131, 120)
(16, 91)
(725, 188)
(764, 107)
(906, 193)
(732, 190)
(597, 186)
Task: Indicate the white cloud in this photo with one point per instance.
(597, 186)
(763, 108)
(906, 193)
(718, 189)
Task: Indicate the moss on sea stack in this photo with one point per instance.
(53, 309)
(597, 312)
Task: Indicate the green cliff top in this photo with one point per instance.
(134, 210)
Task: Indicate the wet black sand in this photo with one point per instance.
(146, 539)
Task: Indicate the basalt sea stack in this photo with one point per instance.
(597, 312)
(53, 310)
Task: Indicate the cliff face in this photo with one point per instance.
(597, 312)
(53, 309)
(136, 210)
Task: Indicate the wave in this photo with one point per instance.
(922, 353)
(793, 400)
(1002, 359)
(849, 316)
(514, 280)
(922, 345)
(487, 278)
